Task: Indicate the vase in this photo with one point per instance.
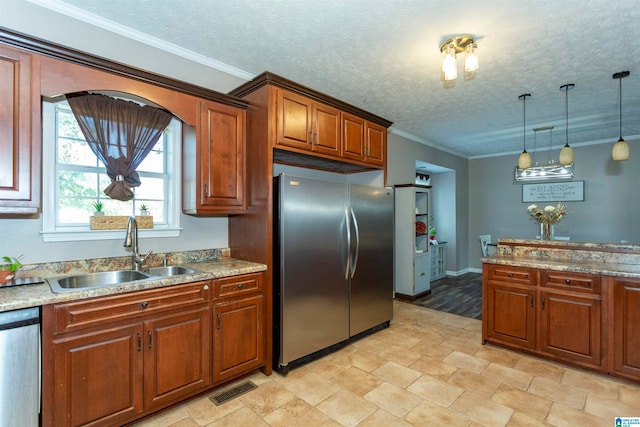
(546, 231)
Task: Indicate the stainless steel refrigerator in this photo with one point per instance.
(333, 265)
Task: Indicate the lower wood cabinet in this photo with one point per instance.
(584, 319)
(238, 312)
(510, 315)
(626, 328)
(570, 327)
(110, 360)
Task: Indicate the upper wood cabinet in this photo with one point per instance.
(304, 124)
(214, 161)
(20, 130)
(304, 127)
(307, 125)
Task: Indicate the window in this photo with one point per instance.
(74, 179)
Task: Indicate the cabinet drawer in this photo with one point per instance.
(237, 285)
(507, 273)
(580, 282)
(86, 313)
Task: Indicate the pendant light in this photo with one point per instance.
(621, 148)
(566, 154)
(524, 161)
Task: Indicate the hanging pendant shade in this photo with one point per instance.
(524, 161)
(566, 154)
(620, 150)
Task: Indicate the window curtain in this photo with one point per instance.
(121, 133)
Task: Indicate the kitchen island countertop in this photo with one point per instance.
(16, 297)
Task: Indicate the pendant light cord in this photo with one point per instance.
(620, 99)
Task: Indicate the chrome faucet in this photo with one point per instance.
(131, 240)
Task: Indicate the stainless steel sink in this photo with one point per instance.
(170, 270)
(111, 278)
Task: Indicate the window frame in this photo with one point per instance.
(53, 233)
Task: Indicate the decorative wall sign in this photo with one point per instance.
(553, 192)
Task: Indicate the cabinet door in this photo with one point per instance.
(510, 314)
(326, 129)
(422, 273)
(98, 377)
(353, 131)
(177, 351)
(221, 181)
(238, 337)
(20, 130)
(570, 327)
(626, 327)
(376, 144)
(294, 113)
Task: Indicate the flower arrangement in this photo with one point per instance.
(548, 214)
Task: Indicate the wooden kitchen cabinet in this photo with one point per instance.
(626, 328)
(363, 140)
(177, 355)
(306, 124)
(20, 132)
(238, 312)
(570, 317)
(112, 359)
(556, 314)
(214, 161)
(97, 377)
(570, 327)
(509, 307)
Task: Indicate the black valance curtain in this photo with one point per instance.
(121, 133)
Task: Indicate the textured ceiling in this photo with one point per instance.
(384, 56)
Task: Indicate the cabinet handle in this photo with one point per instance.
(567, 281)
(240, 286)
(206, 190)
(218, 317)
(422, 274)
(531, 300)
(139, 342)
(144, 304)
(543, 303)
(150, 335)
(311, 137)
(510, 274)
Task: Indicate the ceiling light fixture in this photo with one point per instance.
(549, 171)
(524, 161)
(621, 148)
(566, 154)
(458, 44)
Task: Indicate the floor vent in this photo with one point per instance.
(227, 395)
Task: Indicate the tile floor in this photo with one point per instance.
(427, 369)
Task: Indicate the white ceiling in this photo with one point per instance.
(383, 56)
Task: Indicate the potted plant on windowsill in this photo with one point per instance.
(143, 210)
(8, 268)
(98, 208)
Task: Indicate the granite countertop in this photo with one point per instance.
(15, 297)
(587, 266)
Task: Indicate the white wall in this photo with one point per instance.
(22, 235)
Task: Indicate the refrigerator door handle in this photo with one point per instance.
(348, 257)
(354, 263)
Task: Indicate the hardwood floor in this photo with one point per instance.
(461, 295)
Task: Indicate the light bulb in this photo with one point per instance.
(620, 150)
(449, 66)
(524, 161)
(566, 155)
(471, 62)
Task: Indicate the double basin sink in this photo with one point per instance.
(84, 281)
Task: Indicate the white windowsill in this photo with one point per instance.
(88, 235)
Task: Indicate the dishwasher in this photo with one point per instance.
(20, 367)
